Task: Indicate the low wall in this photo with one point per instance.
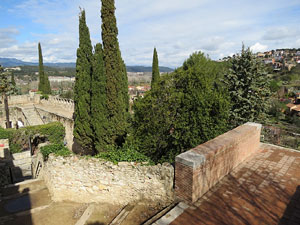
(199, 169)
(92, 180)
(22, 99)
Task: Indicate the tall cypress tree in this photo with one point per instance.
(83, 132)
(155, 69)
(116, 88)
(98, 101)
(41, 70)
(44, 84)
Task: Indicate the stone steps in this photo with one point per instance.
(23, 199)
(32, 116)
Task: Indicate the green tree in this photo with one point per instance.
(6, 88)
(44, 84)
(248, 85)
(83, 133)
(187, 108)
(155, 69)
(98, 101)
(115, 70)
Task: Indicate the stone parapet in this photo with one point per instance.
(93, 180)
(199, 169)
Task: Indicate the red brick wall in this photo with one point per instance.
(199, 169)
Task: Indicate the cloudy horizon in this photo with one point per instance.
(176, 28)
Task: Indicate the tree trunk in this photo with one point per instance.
(8, 125)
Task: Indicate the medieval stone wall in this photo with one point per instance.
(93, 180)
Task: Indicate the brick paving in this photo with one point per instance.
(263, 190)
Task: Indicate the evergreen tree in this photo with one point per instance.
(248, 85)
(98, 101)
(6, 89)
(83, 133)
(44, 84)
(115, 70)
(13, 82)
(186, 109)
(155, 69)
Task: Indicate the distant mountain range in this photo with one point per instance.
(11, 62)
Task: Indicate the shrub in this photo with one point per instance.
(57, 149)
(126, 153)
(44, 96)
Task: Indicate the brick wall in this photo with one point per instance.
(200, 168)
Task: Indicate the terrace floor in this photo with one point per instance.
(265, 189)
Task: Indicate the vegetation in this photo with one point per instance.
(98, 101)
(6, 88)
(155, 69)
(126, 153)
(83, 132)
(248, 88)
(44, 84)
(116, 76)
(18, 139)
(57, 149)
(188, 108)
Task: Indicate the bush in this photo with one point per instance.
(44, 96)
(18, 139)
(126, 153)
(57, 149)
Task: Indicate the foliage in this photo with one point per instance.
(53, 132)
(67, 95)
(187, 108)
(126, 153)
(44, 96)
(57, 149)
(98, 101)
(115, 70)
(83, 132)
(155, 69)
(44, 84)
(248, 86)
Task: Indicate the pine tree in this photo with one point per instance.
(155, 69)
(116, 88)
(83, 133)
(44, 84)
(98, 101)
(248, 85)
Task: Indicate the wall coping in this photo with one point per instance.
(197, 156)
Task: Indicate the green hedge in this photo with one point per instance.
(53, 132)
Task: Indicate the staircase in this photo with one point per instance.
(20, 202)
(32, 117)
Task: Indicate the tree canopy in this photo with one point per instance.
(187, 108)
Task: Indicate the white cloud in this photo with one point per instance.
(177, 28)
(258, 47)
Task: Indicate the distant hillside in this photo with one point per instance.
(11, 62)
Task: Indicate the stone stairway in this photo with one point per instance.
(33, 118)
(29, 203)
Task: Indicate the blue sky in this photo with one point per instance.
(176, 28)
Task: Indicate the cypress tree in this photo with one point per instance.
(83, 133)
(41, 70)
(155, 69)
(98, 101)
(44, 84)
(116, 88)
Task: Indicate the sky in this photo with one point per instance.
(177, 28)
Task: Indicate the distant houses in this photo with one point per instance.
(294, 106)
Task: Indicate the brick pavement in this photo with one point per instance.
(263, 190)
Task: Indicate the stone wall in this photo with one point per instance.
(199, 169)
(22, 99)
(93, 180)
(67, 123)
